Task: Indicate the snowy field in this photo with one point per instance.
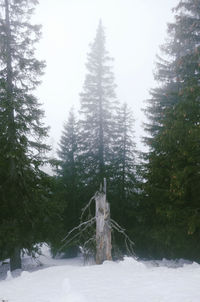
(125, 281)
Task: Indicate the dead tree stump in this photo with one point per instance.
(103, 227)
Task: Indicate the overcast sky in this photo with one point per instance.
(134, 30)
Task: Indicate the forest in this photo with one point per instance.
(153, 194)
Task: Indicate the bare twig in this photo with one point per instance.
(89, 240)
(87, 224)
(87, 206)
(79, 226)
(128, 242)
(117, 225)
(84, 225)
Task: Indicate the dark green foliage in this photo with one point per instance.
(24, 188)
(172, 168)
(68, 184)
(123, 166)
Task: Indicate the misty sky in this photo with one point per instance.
(134, 31)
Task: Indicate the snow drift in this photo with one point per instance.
(124, 281)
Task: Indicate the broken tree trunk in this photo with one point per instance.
(103, 227)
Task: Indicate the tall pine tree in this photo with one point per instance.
(23, 186)
(172, 170)
(98, 108)
(106, 142)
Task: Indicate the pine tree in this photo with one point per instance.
(172, 169)
(24, 190)
(68, 148)
(123, 180)
(107, 147)
(69, 172)
(98, 108)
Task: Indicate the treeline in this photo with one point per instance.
(154, 195)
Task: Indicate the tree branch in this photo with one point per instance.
(89, 222)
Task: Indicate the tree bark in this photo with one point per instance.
(15, 259)
(103, 228)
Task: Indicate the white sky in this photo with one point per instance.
(134, 30)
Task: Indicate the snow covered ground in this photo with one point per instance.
(125, 281)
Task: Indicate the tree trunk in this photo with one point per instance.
(15, 259)
(103, 228)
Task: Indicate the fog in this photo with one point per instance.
(134, 31)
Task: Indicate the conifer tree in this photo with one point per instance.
(100, 145)
(68, 147)
(123, 180)
(69, 172)
(107, 146)
(98, 108)
(23, 189)
(172, 163)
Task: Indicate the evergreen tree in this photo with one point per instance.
(124, 165)
(98, 109)
(106, 142)
(69, 182)
(68, 148)
(23, 190)
(172, 170)
(99, 145)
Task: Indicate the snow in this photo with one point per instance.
(62, 280)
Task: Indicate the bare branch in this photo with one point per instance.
(88, 241)
(87, 224)
(108, 225)
(128, 242)
(79, 226)
(117, 225)
(87, 206)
